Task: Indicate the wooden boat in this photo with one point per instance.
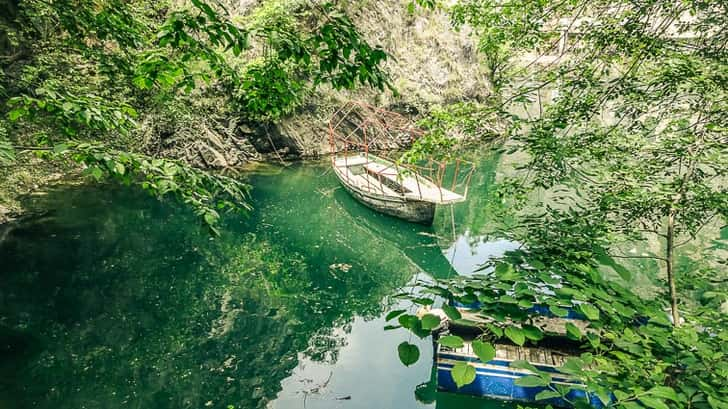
(394, 190)
(497, 378)
(357, 129)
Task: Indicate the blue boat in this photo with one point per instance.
(496, 378)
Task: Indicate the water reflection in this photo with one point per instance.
(467, 253)
(115, 299)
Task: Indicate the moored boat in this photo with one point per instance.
(382, 184)
(498, 377)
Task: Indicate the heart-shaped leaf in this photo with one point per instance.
(516, 335)
(408, 353)
(451, 341)
(463, 374)
(430, 321)
(484, 350)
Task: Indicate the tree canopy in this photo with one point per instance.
(78, 76)
(619, 116)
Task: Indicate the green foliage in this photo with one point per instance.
(463, 373)
(408, 353)
(484, 350)
(451, 341)
(631, 146)
(430, 321)
(208, 194)
(268, 91)
(333, 53)
(85, 73)
(71, 113)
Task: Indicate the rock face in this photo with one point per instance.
(431, 64)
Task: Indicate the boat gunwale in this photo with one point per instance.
(404, 197)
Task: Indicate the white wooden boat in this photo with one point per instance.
(391, 189)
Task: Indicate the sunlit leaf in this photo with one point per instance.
(430, 321)
(463, 374)
(483, 350)
(516, 335)
(451, 341)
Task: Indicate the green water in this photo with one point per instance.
(112, 299)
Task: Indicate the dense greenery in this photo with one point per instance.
(78, 76)
(619, 121)
(624, 130)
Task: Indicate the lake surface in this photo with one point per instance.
(112, 299)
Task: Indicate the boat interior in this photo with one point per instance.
(377, 175)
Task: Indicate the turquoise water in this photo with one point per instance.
(113, 299)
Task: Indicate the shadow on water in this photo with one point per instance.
(115, 299)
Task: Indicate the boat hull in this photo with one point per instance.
(410, 210)
(496, 379)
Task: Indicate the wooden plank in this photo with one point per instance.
(351, 161)
(418, 188)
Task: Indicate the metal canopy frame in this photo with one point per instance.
(358, 128)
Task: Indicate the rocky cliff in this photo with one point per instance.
(430, 64)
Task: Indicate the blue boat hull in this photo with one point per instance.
(495, 379)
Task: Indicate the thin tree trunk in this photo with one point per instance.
(670, 268)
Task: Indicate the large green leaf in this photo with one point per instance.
(572, 331)
(521, 364)
(664, 392)
(547, 394)
(558, 311)
(532, 333)
(516, 335)
(484, 350)
(590, 311)
(653, 403)
(408, 321)
(394, 314)
(532, 381)
(430, 321)
(463, 374)
(408, 353)
(452, 312)
(451, 341)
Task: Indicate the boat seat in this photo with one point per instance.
(367, 182)
(348, 161)
(419, 188)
